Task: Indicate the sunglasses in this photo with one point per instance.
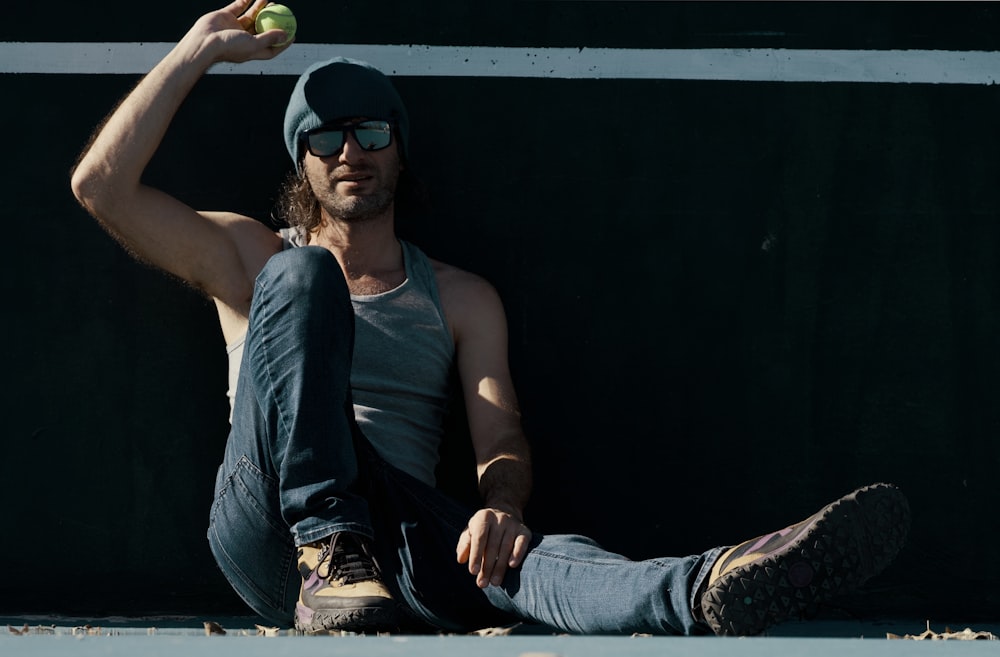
(327, 141)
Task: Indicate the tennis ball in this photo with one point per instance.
(274, 16)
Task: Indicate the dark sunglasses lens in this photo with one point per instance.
(326, 142)
(373, 135)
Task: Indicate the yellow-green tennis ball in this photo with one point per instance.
(274, 16)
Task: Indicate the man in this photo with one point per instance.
(341, 341)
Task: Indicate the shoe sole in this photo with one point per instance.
(357, 619)
(847, 542)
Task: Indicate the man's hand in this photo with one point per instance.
(232, 30)
(494, 541)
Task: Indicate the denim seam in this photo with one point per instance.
(244, 465)
(596, 562)
(231, 481)
(561, 557)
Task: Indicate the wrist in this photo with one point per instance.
(198, 51)
(509, 508)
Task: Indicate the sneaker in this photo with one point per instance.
(787, 574)
(342, 588)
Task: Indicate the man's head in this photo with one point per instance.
(341, 93)
(339, 89)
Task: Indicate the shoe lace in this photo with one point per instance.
(348, 560)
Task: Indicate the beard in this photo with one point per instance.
(357, 207)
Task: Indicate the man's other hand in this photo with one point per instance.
(494, 541)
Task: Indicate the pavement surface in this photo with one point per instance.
(193, 637)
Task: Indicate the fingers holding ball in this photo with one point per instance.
(276, 17)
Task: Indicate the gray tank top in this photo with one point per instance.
(403, 354)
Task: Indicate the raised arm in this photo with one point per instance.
(215, 252)
(497, 537)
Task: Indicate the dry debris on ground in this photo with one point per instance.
(948, 635)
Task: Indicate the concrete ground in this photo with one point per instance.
(193, 637)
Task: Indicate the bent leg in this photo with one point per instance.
(290, 470)
(293, 415)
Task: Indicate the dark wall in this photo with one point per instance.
(728, 302)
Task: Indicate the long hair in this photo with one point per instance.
(297, 204)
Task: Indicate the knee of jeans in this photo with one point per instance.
(304, 269)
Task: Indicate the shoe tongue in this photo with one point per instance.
(352, 561)
(350, 546)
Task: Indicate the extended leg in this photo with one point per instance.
(566, 582)
(570, 583)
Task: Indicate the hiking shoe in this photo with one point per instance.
(342, 588)
(787, 574)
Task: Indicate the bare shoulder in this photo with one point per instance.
(253, 241)
(454, 281)
(458, 286)
(468, 299)
(232, 261)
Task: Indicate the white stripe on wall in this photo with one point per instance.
(761, 65)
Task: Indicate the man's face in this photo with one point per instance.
(354, 184)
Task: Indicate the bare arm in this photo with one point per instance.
(215, 252)
(497, 537)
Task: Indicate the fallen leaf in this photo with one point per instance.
(211, 627)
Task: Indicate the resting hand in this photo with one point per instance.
(494, 541)
(231, 31)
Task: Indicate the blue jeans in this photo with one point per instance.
(297, 469)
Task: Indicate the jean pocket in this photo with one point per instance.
(251, 496)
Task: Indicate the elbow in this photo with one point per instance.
(85, 186)
(92, 190)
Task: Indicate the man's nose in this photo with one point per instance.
(352, 151)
